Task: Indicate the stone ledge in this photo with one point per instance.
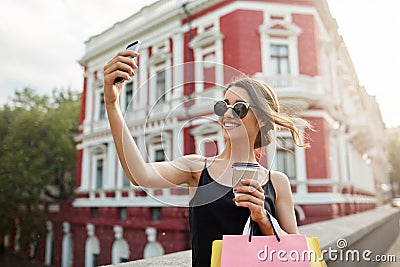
(352, 227)
(358, 230)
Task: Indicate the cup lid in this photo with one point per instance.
(246, 164)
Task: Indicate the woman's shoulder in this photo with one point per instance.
(193, 161)
(281, 182)
(279, 177)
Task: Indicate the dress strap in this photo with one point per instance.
(205, 163)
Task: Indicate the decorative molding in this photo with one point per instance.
(205, 38)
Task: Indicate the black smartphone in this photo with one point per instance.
(134, 47)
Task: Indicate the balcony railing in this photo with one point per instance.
(301, 90)
(132, 197)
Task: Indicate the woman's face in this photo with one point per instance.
(233, 127)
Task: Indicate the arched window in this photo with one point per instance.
(98, 154)
(48, 259)
(67, 246)
(152, 248)
(92, 247)
(120, 248)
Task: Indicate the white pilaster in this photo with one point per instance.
(86, 165)
(178, 48)
(301, 171)
(109, 177)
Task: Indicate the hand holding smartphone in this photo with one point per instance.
(133, 47)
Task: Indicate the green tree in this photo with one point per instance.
(38, 157)
(394, 158)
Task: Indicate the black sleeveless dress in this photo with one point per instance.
(213, 213)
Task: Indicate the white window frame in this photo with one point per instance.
(98, 99)
(289, 37)
(209, 35)
(300, 160)
(211, 132)
(99, 152)
(160, 60)
(155, 142)
(124, 105)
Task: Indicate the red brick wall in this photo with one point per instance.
(317, 156)
(241, 44)
(308, 44)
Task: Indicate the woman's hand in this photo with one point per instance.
(122, 65)
(253, 198)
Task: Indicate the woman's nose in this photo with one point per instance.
(229, 113)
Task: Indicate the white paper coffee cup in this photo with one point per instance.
(244, 170)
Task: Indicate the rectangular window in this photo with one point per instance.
(160, 86)
(99, 173)
(279, 59)
(155, 214)
(102, 110)
(159, 155)
(94, 212)
(128, 95)
(285, 157)
(123, 214)
(125, 181)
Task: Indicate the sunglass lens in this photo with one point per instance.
(220, 108)
(240, 109)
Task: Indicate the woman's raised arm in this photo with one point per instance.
(160, 174)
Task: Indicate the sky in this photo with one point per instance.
(41, 42)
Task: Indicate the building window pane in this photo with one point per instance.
(279, 59)
(286, 161)
(125, 181)
(123, 214)
(102, 111)
(94, 213)
(99, 173)
(159, 155)
(128, 95)
(160, 84)
(155, 214)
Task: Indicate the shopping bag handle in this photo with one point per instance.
(253, 227)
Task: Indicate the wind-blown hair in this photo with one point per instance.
(268, 112)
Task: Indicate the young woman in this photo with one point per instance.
(247, 114)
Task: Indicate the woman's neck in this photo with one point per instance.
(238, 152)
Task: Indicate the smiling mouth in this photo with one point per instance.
(230, 125)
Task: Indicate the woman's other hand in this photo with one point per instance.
(253, 198)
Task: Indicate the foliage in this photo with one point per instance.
(38, 156)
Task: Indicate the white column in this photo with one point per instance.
(89, 103)
(110, 178)
(343, 157)
(177, 42)
(175, 143)
(86, 163)
(198, 70)
(143, 81)
(301, 171)
(334, 159)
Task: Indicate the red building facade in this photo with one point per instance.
(292, 45)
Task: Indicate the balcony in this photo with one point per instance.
(298, 90)
(134, 196)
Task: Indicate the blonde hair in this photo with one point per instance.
(268, 112)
